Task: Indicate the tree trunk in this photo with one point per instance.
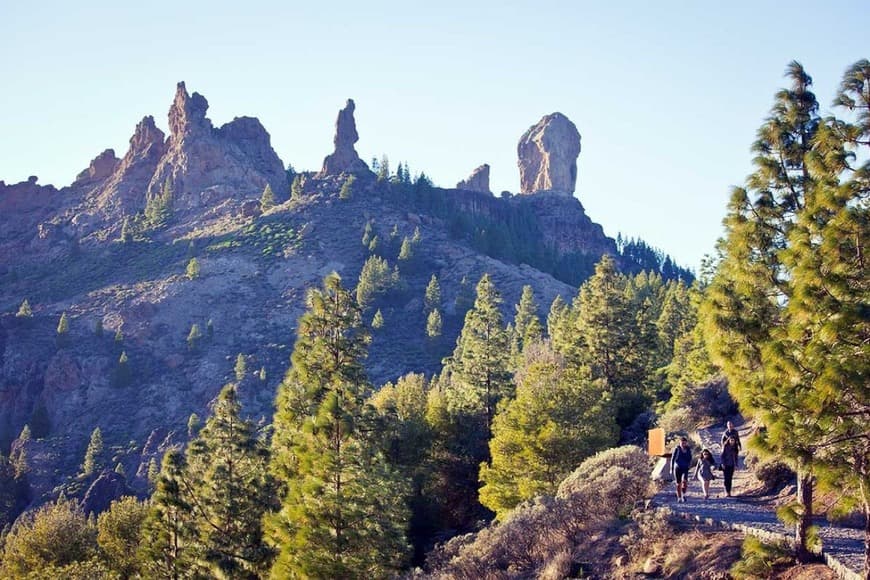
(805, 498)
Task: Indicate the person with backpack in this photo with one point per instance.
(681, 460)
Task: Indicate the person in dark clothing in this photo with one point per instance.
(731, 432)
(681, 460)
(729, 462)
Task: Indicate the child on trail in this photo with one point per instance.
(681, 460)
(704, 471)
(729, 462)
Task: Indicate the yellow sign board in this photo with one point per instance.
(657, 442)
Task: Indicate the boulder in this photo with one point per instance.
(108, 487)
(345, 158)
(548, 156)
(477, 181)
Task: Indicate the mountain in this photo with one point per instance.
(112, 251)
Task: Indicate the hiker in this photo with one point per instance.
(681, 460)
(730, 431)
(729, 463)
(704, 471)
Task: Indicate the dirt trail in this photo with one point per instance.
(843, 547)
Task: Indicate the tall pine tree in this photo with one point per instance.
(227, 482)
(343, 512)
(752, 332)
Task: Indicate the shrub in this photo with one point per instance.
(57, 534)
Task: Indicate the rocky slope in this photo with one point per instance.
(60, 249)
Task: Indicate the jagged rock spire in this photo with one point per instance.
(345, 158)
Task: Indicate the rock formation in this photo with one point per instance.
(477, 181)
(205, 166)
(123, 192)
(548, 156)
(99, 170)
(345, 158)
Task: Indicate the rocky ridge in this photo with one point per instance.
(60, 249)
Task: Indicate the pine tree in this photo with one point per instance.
(153, 471)
(375, 278)
(209, 329)
(296, 188)
(193, 337)
(119, 534)
(241, 368)
(262, 374)
(560, 416)
(407, 251)
(24, 311)
(93, 455)
(126, 231)
(479, 366)
(267, 200)
(192, 270)
(416, 237)
(755, 335)
(347, 188)
(367, 234)
(119, 336)
(432, 298)
(378, 320)
(434, 324)
(527, 326)
(227, 482)
(829, 303)
(167, 550)
(383, 169)
(605, 338)
(343, 513)
(158, 207)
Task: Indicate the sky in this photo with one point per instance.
(667, 95)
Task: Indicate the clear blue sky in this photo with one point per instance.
(667, 95)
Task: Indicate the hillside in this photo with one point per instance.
(111, 251)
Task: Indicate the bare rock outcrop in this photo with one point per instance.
(477, 181)
(548, 156)
(124, 191)
(205, 166)
(345, 158)
(100, 169)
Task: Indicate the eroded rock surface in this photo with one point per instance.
(548, 156)
(477, 181)
(345, 158)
